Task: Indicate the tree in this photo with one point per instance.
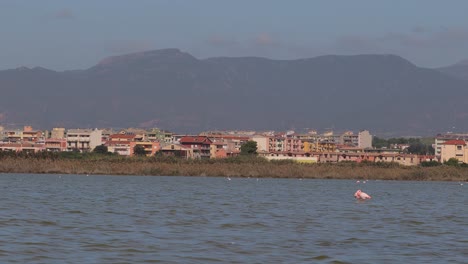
(249, 148)
(420, 149)
(452, 162)
(101, 149)
(139, 150)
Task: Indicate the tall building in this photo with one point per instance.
(364, 139)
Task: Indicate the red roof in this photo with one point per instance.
(228, 137)
(195, 140)
(454, 142)
(122, 136)
(111, 143)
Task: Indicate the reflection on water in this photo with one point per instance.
(107, 219)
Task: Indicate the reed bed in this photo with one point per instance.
(233, 167)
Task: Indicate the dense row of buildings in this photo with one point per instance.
(307, 147)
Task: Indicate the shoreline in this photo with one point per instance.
(240, 169)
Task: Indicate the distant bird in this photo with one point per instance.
(361, 195)
(228, 178)
(357, 181)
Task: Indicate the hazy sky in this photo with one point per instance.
(76, 34)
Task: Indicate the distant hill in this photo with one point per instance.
(176, 91)
(459, 70)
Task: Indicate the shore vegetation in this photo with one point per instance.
(240, 166)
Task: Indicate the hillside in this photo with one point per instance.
(176, 91)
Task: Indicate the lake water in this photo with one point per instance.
(131, 219)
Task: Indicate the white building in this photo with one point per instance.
(263, 144)
(364, 139)
(84, 140)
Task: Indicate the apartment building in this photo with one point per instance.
(442, 138)
(25, 135)
(455, 148)
(150, 147)
(177, 150)
(58, 133)
(55, 144)
(199, 144)
(83, 140)
(230, 144)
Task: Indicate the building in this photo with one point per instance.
(226, 145)
(301, 156)
(119, 147)
(57, 132)
(262, 143)
(201, 145)
(364, 139)
(21, 147)
(83, 140)
(177, 150)
(319, 146)
(30, 135)
(455, 148)
(159, 135)
(150, 147)
(55, 144)
(440, 139)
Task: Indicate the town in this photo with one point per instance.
(310, 147)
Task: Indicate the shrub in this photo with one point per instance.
(431, 163)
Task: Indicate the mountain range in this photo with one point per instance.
(174, 90)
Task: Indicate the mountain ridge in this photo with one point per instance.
(173, 90)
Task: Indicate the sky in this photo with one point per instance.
(69, 34)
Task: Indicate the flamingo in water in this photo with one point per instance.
(361, 195)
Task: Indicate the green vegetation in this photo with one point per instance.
(249, 148)
(139, 150)
(101, 149)
(430, 163)
(452, 162)
(240, 166)
(420, 146)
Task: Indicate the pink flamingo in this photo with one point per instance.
(361, 195)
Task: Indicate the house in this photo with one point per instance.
(199, 144)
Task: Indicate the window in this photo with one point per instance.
(459, 147)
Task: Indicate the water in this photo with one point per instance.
(129, 219)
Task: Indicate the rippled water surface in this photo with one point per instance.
(130, 219)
